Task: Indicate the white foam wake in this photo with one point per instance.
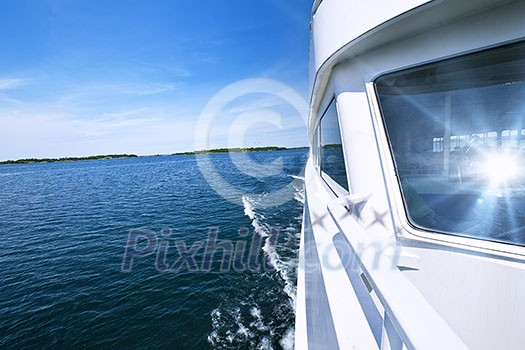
(228, 329)
(297, 177)
(257, 219)
(248, 207)
(222, 333)
(299, 193)
(284, 268)
(288, 341)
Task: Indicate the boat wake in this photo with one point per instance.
(297, 177)
(284, 266)
(240, 324)
(264, 318)
(250, 331)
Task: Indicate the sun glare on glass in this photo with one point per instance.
(501, 168)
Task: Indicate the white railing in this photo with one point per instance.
(409, 320)
(316, 5)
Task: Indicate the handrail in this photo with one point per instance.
(316, 5)
(416, 322)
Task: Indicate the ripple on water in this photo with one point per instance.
(63, 233)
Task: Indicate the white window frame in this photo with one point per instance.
(404, 229)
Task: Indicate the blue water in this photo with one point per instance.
(64, 229)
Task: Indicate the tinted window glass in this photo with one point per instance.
(332, 160)
(456, 130)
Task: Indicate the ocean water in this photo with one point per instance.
(144, 253)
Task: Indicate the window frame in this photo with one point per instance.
(333, 185)
(404, 228)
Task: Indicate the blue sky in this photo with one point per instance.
(97, 77)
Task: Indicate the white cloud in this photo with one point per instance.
(12, 83)
(83, 122)
(26, 134)
(8, 99)
(93, 92)
(125, 113)
(144, 89)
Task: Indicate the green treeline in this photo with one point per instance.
(237, 149)
(113, 156)
(66, 159)
(332, 145)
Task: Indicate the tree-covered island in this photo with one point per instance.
(231, 150)
(66, 159)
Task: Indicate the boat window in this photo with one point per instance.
(316, 147)
(332, 160)
(457, 135)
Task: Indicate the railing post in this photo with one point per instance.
(390, 339)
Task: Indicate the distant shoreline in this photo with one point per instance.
(66, 159)
(116, 156)
(236, 150)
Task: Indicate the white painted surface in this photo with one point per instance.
(478, 295)
(301, 334)
(415, 320)
(349, 320)
(338, 22)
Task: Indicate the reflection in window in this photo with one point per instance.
(457, 134)
(509, 139)
(332, 160)
(438, 144)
